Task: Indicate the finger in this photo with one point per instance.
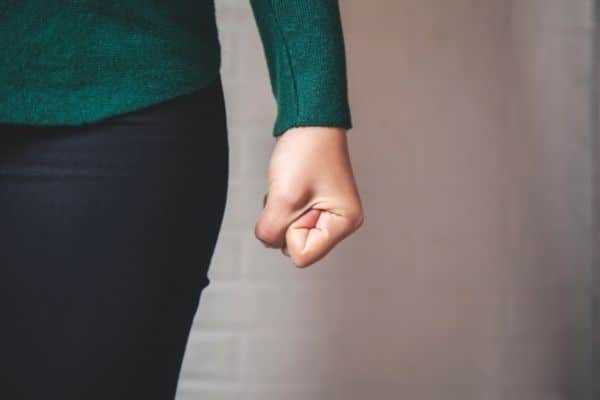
(313, 235)
(275, 218)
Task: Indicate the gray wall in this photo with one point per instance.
(471, 277)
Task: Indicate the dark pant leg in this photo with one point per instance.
(106, 235)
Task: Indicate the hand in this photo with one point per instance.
(312, 201)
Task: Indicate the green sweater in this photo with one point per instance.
(80, 61)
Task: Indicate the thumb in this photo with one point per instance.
(314, 234)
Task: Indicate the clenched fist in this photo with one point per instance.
(312, 201)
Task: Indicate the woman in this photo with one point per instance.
(113, 180)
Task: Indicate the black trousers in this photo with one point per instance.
(106, 234)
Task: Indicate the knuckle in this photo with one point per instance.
(264, 234)
(357, 218)
(360, 220)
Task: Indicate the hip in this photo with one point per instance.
(182, 135)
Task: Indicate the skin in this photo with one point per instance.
(312, 201)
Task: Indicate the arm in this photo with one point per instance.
(304, 47)
(312, 202)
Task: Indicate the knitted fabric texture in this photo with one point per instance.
(81, 61)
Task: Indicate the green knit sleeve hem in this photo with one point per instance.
(304, 48)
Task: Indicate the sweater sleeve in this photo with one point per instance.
(303, 44)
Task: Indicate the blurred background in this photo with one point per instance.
(474, 150)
